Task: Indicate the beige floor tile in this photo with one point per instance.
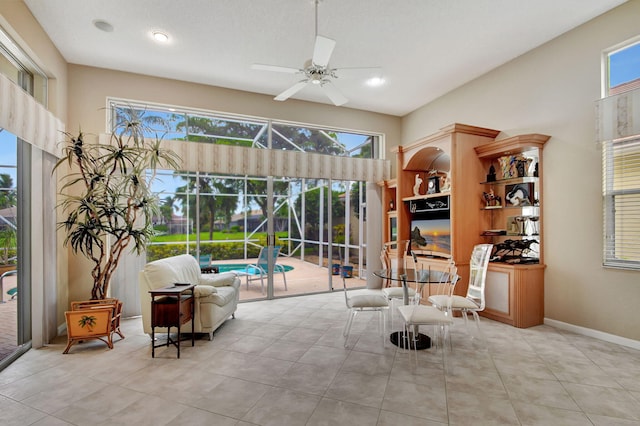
(15, 413)
(284, 362)
(332, 412)
(194, 416)
(416, 400)
(288, 351)
(549, 393)
(480, 408)
(605, 401)
(312, 379)
(281, 407)
(358, 388)
(389, 418)
(232, 398)
(97, 407)
(368, 363)
(536, 415)
(324, 356)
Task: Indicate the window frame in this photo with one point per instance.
(620, 178)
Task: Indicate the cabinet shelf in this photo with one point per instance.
(511, 236)
(525, 179)
(426, 196)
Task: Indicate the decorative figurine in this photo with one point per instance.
(535, 170)
(445, 183)
(416, 186)
(491, 199)
(491, 177)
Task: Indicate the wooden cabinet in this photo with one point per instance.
(449, 156)
(514, 224)
(461, 156)
(515, 294)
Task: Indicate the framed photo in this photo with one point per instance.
(519, 194)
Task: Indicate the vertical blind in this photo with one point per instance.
(618, 130)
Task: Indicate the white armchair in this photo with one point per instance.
(216, 295)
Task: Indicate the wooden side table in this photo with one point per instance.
(171, 307)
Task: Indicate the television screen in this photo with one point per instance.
(431, 234)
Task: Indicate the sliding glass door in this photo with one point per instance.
(14, 308)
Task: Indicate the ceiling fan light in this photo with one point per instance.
(375, 81)
(160, 37)
(315, 81)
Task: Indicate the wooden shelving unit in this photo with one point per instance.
(515, 291)
(449, 151)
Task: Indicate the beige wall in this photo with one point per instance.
(552, 90)
(16, 18)
(89, 88)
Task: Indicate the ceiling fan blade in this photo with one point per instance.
(291, 91)
(276, 68)
(334, 94)
(349, 69)
(322, 51)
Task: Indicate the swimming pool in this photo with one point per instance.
(227, 267)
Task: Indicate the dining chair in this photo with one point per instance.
(395, 293)
(444, 265)
(474, 301)
(414, 316)
(364, 300)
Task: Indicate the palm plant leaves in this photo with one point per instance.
(107, 198)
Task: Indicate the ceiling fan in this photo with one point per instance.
(315, 71)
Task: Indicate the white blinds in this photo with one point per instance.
(24, 117)
(618, 116)
(618, 130)
(237, 160)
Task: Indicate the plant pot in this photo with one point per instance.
(347, 271)
(335, 269)
(88, 324)
(93, 319)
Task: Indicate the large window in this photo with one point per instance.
(226, 217)
(199, 126)
(619, 133)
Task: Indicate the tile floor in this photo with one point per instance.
(283, 363)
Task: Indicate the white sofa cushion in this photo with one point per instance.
(218, 280)
(178, 269)
(204, 290)
(221, 297)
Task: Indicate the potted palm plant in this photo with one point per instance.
(107, 202)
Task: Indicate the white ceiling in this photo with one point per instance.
(425, 47)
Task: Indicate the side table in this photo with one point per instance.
(171, 306)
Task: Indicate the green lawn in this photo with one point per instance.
(217, 236)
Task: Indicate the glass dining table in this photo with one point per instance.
(420, 277)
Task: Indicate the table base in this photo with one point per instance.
(422, 341)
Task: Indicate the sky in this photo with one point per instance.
(8, 155)
(624, 65)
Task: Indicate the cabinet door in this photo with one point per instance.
(498, 291)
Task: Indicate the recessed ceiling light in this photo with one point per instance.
(160, 37)
(103, 25)
(375, 81)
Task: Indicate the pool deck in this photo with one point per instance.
(305, 278)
